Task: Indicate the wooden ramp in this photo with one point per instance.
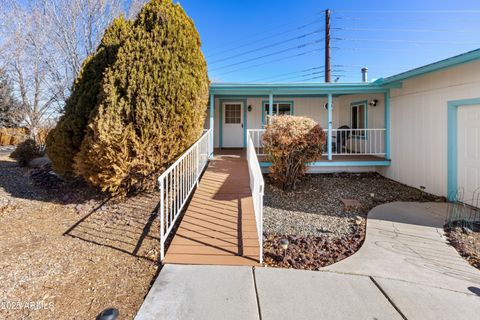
(219, 223)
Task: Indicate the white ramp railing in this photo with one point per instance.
(178, 181)
(257, 186)
(257, 135)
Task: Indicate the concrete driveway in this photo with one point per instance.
(404, 270)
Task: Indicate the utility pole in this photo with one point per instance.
(328, 68)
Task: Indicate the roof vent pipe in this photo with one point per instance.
(364, 74)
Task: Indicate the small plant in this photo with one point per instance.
(26, 151)
(290, 142)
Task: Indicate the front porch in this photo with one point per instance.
(355, 118)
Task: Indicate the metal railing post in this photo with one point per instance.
(162, 219)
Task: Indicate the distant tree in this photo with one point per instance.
(43, 44)
(152, 105)
(10, 115)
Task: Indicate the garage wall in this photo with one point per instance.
(419, 125)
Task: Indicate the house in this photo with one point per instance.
(420, 127)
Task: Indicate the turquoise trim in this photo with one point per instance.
(245, 122)
(433, 67)
(212, 121)
(386, 97)
(380, 163)
(330, 124)
(264, 102)
(365, 111)
(242, 100)
(452, 152)
(270, 108)
(294, 89)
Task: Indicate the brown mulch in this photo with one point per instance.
(320, 230)
(310, 252)
(466, 243)
(70, 250)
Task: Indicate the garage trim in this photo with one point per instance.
(452, 150)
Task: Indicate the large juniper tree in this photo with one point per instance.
(153, 102)
(151, 105)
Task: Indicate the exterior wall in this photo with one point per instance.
(312, 107)
(418, 116)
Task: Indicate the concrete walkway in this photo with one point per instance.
(404, 270)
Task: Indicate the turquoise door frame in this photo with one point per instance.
(243, 100)
(212, 123)
(452, 151)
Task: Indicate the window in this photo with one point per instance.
(282, 108)
(359, 117)
(233, 113)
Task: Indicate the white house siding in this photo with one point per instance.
(419, 125)
(312, 107)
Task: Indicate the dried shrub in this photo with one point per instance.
(26, 151)
(12, 136)
(152, 104)
(290, 142)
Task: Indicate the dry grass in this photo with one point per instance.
(77, 256)
(12, 136)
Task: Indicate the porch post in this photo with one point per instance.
(212, 122)
(270, 106)
(387, 124)
(329, 137)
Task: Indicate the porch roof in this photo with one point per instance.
(289, 89)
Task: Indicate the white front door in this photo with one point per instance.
(232, 122)
(468, 150)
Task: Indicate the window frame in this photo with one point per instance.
(275, 112)
(357, 104)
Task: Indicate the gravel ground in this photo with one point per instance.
(71, 249)
(320, 230)
(466, 243)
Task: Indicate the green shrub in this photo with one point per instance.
(64, 142)
(152, 106)
(290, 142)
(26, 151)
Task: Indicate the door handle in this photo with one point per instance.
(242, 125)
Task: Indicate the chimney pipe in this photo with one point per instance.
(364, 74)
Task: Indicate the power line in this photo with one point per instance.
(267, 46)
(408, 11)
(303, 45)
(407, 30)
(276, 34)
(407, 41)
(288, 73)
(375, 49)
(319, 77)
(273, 61)
(301, 76)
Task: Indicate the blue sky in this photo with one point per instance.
(281, 40)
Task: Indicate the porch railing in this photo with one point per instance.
(178, 181)
(357, 142)
(344, 141)
(257, 186)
